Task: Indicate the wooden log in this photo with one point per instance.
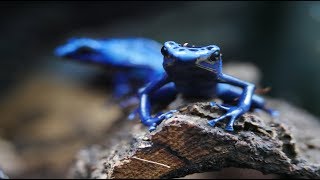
(186, 144)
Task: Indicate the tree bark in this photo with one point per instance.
(186, 144)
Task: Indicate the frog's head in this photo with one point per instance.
(206, 57)
(83, 49)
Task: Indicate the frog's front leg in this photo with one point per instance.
(163, 96)
(145, 105)
(244, 101)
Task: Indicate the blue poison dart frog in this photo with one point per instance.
(167, 70)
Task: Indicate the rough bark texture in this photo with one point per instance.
(186, 144)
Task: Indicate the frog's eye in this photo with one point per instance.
(164, 51)
(215, 56)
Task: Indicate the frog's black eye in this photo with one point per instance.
(164, 51)
(214, 56)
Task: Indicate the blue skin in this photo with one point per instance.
(135, 58)
(192, 71)
(197, 72)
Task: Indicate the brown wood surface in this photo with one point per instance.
(186, 144)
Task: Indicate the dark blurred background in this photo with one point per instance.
(281, 38)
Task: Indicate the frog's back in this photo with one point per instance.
(133, 53)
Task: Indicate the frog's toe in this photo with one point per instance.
(223, 107)
(219, 105)
(274, 113)
(152, 127)
(133, 114)
(213, 103)
(153, 122)
(229, 128)
(214, 121)
(168, 114)
(233, 117)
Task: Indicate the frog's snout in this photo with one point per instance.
(64, 50)
(60, 51)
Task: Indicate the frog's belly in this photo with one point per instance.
(194, 89)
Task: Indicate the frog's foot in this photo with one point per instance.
(272, 112)
(167, 115)
(224, 107)
(153, 122)
(133, 114)
(233, 113)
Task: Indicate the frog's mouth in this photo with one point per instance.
(206, 64)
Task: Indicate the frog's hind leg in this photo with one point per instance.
(127, 83)
(231, 94)
(122, 85)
